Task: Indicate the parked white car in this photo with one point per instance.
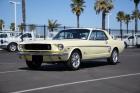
(131, 40)
(10, 39)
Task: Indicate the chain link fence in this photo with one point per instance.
(43, 31)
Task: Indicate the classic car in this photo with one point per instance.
(71, 47)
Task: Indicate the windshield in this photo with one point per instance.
(72, 34)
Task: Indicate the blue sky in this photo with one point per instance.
(39, 11)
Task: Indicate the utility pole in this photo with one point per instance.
(24, 14)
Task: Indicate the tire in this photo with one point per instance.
(35, 63)
(74, 61)
(125, 45)
(114, 57)
(138, 46)
(12, 47)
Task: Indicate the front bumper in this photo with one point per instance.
(47, 56)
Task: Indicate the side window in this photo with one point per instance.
(101, 36)
(98, 35)
(27, 35)
(3, 35)
(131, 37)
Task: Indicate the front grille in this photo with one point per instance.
(37, 46)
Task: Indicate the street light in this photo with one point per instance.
(15, 7)
(108, 17)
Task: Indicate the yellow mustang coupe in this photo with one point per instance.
(72, 46)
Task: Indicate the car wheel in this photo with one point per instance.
(33, 64)
(138, 46)
(12, 47)
(125, 45)
(74, 60)
(114, 57)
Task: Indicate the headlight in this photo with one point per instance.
(60, 46)
(20, 47)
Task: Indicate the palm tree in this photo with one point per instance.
(127, 20)
(77, 8)
(120, 18)
(104, 6)
(135, 15)
(12, 26)
(24, 13)
(53, 25)
(1, 24)
(136, 2)
(32, 27)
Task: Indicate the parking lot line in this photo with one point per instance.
(78, 82)
(4, 72)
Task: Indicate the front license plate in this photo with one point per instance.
(37, 58)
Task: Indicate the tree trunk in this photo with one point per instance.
(24, 13)
(78, 21)
(127, 27)
(136, 19)
(103, 20)
(121, 30)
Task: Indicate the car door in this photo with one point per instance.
(131, 41)
(99, 44)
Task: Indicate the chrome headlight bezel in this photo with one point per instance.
(60, 47)
(20, 47)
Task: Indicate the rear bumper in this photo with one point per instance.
(47, 57)
(3, 46)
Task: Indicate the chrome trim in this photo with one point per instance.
(40, 53)
(89, 46)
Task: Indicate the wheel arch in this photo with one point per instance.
(125, 43)
(115, 48)
(12, 43)
(76, 49)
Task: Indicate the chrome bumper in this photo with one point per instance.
(47, 57)
(41, 53)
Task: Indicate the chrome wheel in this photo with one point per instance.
(12, 47)
(115, 56)
(74, 61)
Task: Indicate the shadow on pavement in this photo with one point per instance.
(63, 67)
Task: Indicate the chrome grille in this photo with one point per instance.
(37, 46)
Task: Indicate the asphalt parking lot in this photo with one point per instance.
(93, 77)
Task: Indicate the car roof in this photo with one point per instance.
(87, 28)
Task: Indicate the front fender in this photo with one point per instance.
(69, 50)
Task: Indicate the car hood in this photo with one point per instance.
(64, 42)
